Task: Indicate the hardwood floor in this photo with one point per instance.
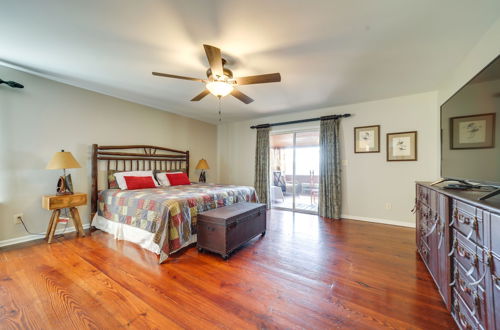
(305, 273)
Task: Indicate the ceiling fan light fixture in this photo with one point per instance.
(219, 88)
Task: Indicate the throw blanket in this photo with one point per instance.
(169, 212)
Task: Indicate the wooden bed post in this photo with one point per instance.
(187, 163)
(93, 203)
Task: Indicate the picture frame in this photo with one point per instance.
(402, 146)
(473, 131)
(367, 139)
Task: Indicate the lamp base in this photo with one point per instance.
(64, 185)
(202, 177)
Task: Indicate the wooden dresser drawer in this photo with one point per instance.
(468, 220)
(493, 282)
(472, 293)
(469, 255)
(462, 314)
(63, 201)
(493, 243)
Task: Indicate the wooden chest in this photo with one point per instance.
(224, 229)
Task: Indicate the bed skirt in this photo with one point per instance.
(135, 235)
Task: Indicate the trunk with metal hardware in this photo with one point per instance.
(225, 229)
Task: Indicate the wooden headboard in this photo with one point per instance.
(134, 158)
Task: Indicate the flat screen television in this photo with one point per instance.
(470, 130)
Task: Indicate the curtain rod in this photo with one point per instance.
(302, 121)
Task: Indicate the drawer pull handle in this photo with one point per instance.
(477, 303)
(464, 220)
(432, 230)
(455, 214)
(415, 206)
(464, 287)
(463, 321)
(470, 234)
(496, 279)
(470, 271)
(478, 281)
(461, 252)
(475, 224)
(452, 221)
(455, 243)
(456, 277)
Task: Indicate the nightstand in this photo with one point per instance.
(55, 203)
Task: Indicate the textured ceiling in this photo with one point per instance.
(328, 52)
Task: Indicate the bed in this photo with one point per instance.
(163, 219)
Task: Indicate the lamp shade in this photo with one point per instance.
(62, 160)
(202, 165)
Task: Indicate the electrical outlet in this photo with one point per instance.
(388, 206)
(345, 162)
(17, 218)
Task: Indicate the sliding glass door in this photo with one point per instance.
(295, 171)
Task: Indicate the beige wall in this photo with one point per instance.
(369, 180)
(46, 116)
(486, 49)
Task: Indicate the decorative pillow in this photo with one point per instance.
(139, 182)
(162, 178)
(178, 179)
(112, 184)
(122, 184)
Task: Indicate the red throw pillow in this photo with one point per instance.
(139, 182)
(178, 179)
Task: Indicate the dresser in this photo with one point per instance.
(458, 238)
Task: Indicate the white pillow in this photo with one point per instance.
(163, 179)
(120, 177)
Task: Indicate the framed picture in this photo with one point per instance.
(473, 132)
(367, 139)
(402, 146)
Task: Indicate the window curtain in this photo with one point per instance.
(330, 195)
(262, 166)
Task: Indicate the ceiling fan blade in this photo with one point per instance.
(242, 97)
(214, 59)
(201, 95)
(259, 79)
(175, 76)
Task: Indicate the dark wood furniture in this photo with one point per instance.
(225, 229)
(134, 158)
(458, 238)
(56, 203)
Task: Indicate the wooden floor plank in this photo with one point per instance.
(307, 272)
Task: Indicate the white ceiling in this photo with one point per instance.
(328, 52)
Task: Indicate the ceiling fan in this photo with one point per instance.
(220, 81)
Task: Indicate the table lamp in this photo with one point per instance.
(202, 165)
(61, 161)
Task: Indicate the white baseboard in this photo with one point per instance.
(28, 238)
(383, 221)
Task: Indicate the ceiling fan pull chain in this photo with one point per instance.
(220, 112)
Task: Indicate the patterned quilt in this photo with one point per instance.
(169, 212)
